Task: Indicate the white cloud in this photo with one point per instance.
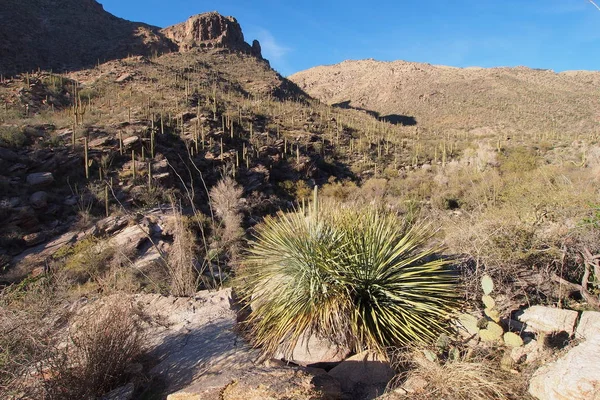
(271, 49)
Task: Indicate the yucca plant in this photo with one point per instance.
(360, 277)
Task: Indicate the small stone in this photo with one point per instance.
(130, 141)
(529, 353)
(34, 239)
(70, 201)
(100, 142)
(184, 396)
(415, 384)
(312, 350)
(39, 200)
(40, 178)
(8, 155)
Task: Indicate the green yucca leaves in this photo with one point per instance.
(357, 276)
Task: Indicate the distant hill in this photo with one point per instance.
(438, 97)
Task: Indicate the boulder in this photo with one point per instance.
(364, 369)
(124, 78)
(39, 200)
(541, 319)
(575, 376)
(40, 179)
(130, 141)
(589, 325)
(314, 350)
(33, 239)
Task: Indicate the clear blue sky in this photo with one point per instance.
(296, 35)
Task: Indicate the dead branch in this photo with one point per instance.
(589, 260)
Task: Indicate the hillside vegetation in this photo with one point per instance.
(161, 175)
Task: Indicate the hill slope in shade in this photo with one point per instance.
(63, 34)
(438, 97)
(72, 34)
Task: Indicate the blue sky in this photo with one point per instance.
(296, 35)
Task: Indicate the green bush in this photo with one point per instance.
(12, 136)
(356, 275)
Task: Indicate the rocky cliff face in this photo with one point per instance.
(210, 30)
(70, 34)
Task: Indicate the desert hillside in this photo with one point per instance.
(178, 221)
(504, 100)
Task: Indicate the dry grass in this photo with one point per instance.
(473, 379)
(183, 275)
(225, 200)
(102, 344)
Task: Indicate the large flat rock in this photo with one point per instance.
(575, 376)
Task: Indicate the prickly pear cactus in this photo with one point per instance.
(488, 328)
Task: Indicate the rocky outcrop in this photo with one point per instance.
(210, 30)
(575, 376)
(549, 320)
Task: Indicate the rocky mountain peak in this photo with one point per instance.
(210, 30)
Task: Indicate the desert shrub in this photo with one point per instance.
(12, 136)
(183, 275)
(298, 190)
(518, 159)
(356, 275)
(341, 191)
(225, 199)
(103, 342)
(31, 313)
(87, 260)
(19, 348)
(88, 94)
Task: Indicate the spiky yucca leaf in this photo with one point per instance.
(356, 276)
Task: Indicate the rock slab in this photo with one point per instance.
(575, 376)
(589, 325)
(542, 319)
